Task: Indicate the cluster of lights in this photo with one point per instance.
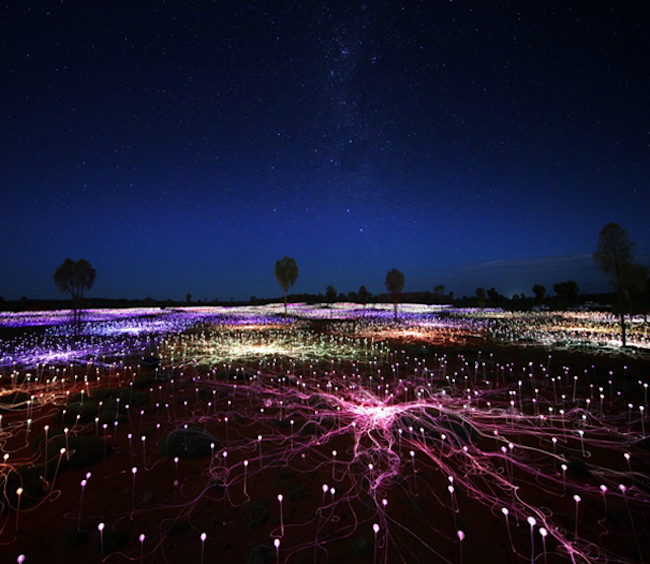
(378, 422)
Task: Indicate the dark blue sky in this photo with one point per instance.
(186, 146)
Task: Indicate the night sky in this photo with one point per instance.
(186, 146)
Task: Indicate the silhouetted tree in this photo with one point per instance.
(73, 278)
(645, 303)
(495, 298)
(353, 296)
(330, 294)
(364, 295)
(614, 256)
(440, 289)
(395, 284)
(286, 271)
(480, 296)
(567, 292)
(188, 298)
(540, 292)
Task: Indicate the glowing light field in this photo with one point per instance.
(232, 435)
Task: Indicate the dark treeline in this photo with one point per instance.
(493, 299)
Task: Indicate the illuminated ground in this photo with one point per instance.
(336, 436)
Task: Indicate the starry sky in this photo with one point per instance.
(186, 146)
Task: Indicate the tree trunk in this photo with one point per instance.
(75, 325)
(623, 339)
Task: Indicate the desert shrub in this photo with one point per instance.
(363, 546)
(285, 473)
(281, 423)
(148, 497)
(309, 429)
(114, 540)
(316, 401)
(300, 491)
(261, 554)
(74, 538)
(143, 381)
(14, 398)
(644, 444)
(578, 468)
(258, 513)
(34, 488)
(178, 528)
(84, 450)
(190, 443)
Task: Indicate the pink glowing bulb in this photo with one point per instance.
(19, 493)
(532, 522)
(280, 498)
(577, 499)
(543, 532)
(203, 537)
(100, 528)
